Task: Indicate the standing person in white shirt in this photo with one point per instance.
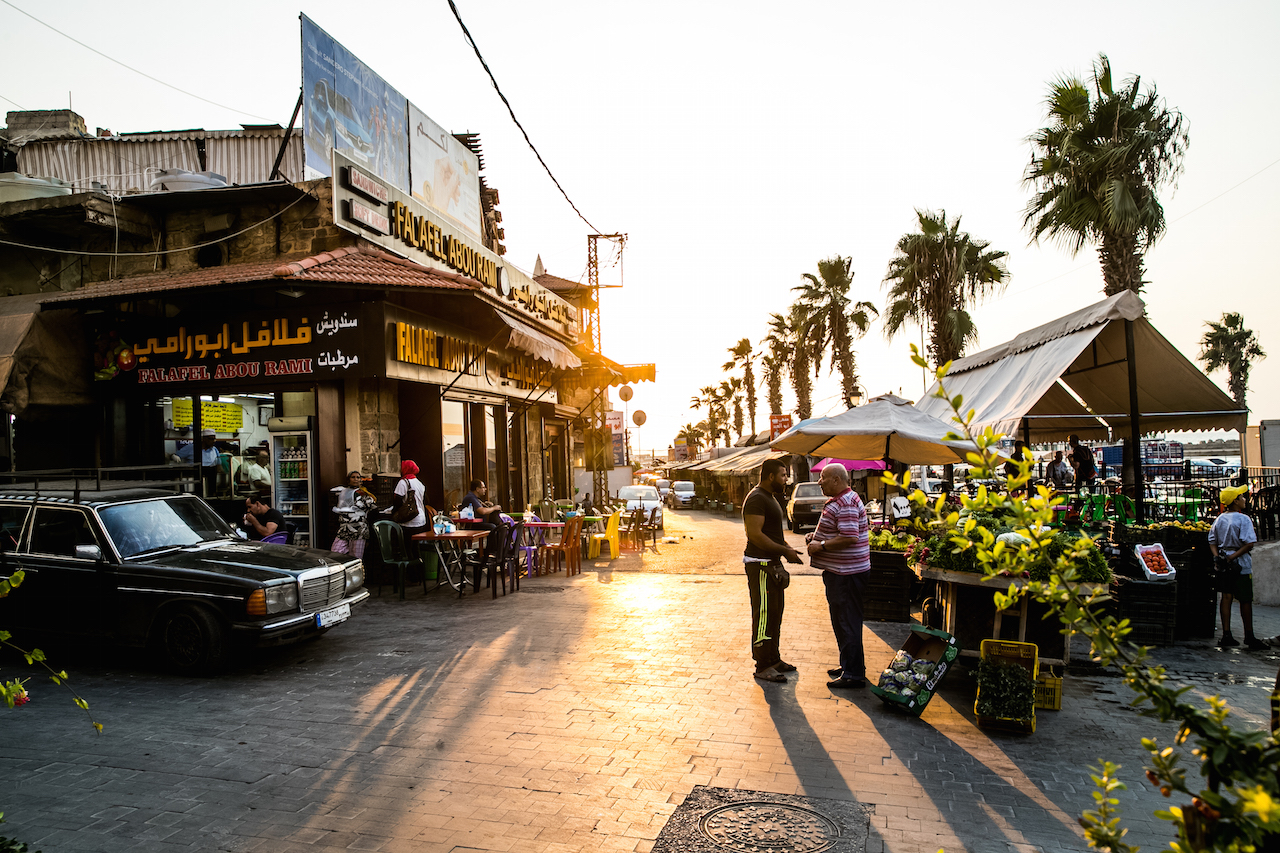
(1232, 537)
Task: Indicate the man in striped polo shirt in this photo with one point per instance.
(766, 578)
(841, 547)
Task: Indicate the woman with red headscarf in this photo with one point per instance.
(409, 482)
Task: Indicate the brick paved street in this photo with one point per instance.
(575, 715)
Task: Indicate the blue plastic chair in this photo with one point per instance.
(276, 539)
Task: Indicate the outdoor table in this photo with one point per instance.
(951, 583)
(536, 537)
(449, 548)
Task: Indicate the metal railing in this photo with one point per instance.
(177, 478)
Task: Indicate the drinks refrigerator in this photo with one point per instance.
(294, 495)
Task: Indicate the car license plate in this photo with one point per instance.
(333, 615)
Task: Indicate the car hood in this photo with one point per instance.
(243, 559)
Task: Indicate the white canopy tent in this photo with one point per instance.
(1100, 371)
(1073, 376)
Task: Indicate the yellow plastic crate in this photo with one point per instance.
(1025, 654)
(1049, 692)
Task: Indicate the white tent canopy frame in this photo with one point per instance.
(1103, 369)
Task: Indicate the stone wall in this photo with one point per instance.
(379, 426)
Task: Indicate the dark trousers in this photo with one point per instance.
(767, 601)
(844, 601)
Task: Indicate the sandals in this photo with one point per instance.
(772, 675)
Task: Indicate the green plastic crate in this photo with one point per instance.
(929, 644)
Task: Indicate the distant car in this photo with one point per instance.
(805, 506)
(664, 488)
(682, 493)
(642, 497)
(331, 115)
(144, 567)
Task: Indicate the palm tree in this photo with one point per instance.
(731, 393)
(1096, 168)
(834, 319)
(934, 277)
(793, 329)
(1228, 344)
(709, 396)
(693, 434)
(778, 353)
(742, 355)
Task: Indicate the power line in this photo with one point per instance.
(130, 67)
(497, 89)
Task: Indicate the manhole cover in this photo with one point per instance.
(764, 826)
(724, 820)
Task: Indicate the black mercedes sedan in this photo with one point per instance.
(141, 567)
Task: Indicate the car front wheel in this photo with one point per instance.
(193, 640)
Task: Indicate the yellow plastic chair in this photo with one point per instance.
(610, 535)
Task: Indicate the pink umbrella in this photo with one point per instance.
(852, 464)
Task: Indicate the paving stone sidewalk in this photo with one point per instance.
(575, 715)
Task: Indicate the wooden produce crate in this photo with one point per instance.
(929, 644)
(888, 593)
(1023, 654)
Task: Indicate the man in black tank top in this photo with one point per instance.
(766, 579)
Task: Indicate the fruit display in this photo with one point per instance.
(889, 539)
(1155, 562)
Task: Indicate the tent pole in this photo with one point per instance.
(1135, 429)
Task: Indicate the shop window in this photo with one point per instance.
(491, 426)
(453, 431)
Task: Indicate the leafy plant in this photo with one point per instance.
(1005, 689)
(1236, 804)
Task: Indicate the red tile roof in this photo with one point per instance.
(556, 284)
(360, 264)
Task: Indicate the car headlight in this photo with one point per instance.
(280, 598)
(355, 576)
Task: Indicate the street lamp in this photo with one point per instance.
(855, 397)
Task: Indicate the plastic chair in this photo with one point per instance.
(652, 526)
(567, 547)
(496, 562)
(633, 536)
(527, 547)
(276, 539)
(391, 546)
(610, 535)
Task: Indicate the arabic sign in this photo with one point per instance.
(382, 214)
(778, 424)
(257, 348)
(220, 417)
(348, 108)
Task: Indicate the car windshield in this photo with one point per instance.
(683, 486)
(663, 484)
(160, 523)
(638, 493)
(808, 490)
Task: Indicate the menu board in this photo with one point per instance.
(219, 417)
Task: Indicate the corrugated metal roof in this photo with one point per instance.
(127, 163)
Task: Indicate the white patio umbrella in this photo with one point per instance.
(887, 427)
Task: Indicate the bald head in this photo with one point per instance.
(834, 479)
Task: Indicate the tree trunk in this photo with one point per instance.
(1121, 264)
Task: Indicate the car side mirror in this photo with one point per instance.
(88, 552)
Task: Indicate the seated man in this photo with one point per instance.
(260, 520)
(489, 514)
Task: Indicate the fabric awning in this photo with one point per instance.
(1072, 376)
(43, 362)
(529, 340)
(852, 464)
(742, 462)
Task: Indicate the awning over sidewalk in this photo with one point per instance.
(1072, 376)
(528, 339)
(43, 362)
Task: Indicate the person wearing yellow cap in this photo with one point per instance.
(1231, 539)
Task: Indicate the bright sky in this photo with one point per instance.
(739, 143)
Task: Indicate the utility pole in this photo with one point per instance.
(591, 323)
